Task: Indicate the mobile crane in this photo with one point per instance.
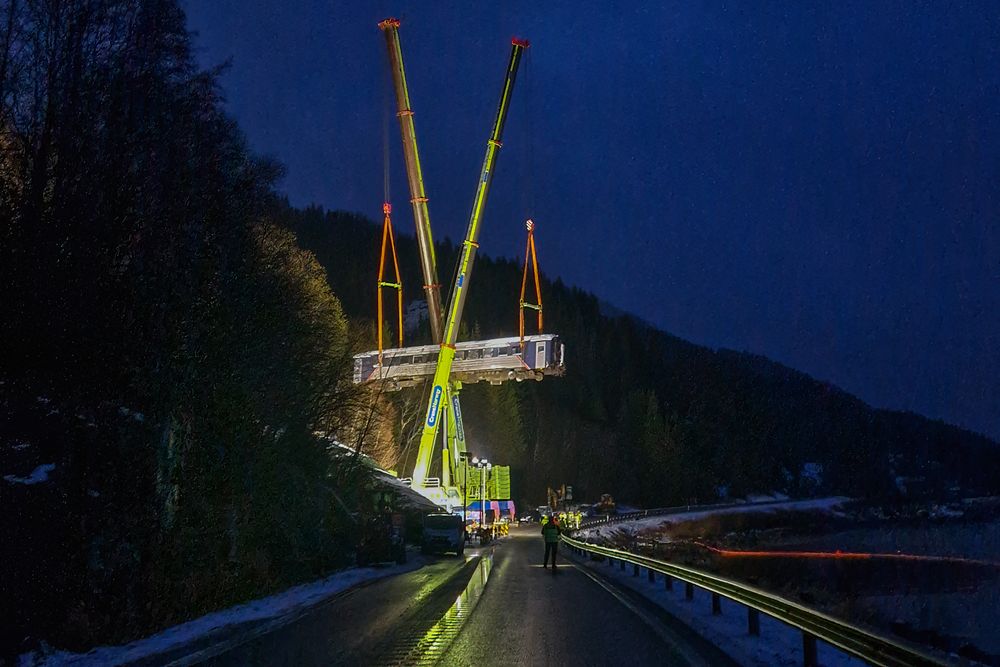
(444, 402)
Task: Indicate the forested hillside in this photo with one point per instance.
(167, 350)
(644, 415)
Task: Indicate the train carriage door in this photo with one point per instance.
(540, 354)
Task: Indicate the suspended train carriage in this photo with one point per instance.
(495, 361)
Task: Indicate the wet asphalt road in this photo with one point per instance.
(532, 616)
(497, 607)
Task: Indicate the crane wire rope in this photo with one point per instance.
(388, 238)
(529, 125)
(386, 101)
(528, 194)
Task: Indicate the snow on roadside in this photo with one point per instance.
(37, 476)
(639, 525)
(292, 600)
(779, 645)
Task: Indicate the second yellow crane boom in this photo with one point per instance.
(460, 288)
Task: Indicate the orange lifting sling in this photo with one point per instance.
(529, 251)
(389, 240)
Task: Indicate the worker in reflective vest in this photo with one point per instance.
(551, 532)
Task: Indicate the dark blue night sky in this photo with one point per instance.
(818, 184)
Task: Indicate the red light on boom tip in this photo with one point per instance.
(523, 43)
(387, 208)
(389, 22)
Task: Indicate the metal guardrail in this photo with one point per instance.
(858, 642)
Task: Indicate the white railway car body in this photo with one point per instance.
(494, 361)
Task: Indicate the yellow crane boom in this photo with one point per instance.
(439, 390)
(455, 430)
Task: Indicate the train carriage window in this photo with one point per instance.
(494, 352)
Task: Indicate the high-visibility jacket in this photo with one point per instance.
(550, 532)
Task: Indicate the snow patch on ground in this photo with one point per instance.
(281, 604)
(633, 527)
(37, 476)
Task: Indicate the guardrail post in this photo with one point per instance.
(870, 647)
(635, 570)
(809, 650)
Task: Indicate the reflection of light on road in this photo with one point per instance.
(436, 641)
(844, 555)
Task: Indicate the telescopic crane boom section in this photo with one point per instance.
(470, 245)
(389, 241)
(454, 439)
(415, 178)
(460, 288)
(529, 253)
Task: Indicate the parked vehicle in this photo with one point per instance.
(443, 533)
(382, 540)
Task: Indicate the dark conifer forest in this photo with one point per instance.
(646, 416)
(175, 336)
